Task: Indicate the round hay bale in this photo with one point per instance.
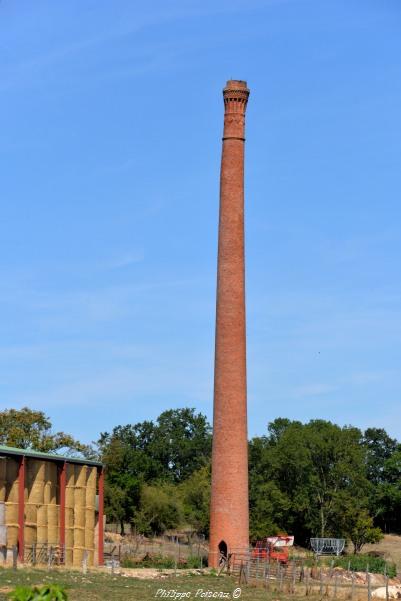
(31, 513)
(53, 524)
(53, 514)
(79, 496)
(69, 537)
(42, 528)
(30, 534)
(78, 555)
(36, 472)
(12, 469)
(12, 535)
(79, 516)
(91, 487)
(42, 534)
(90, 518)
(89, 538)
(51, 485)
(79, 537)
(53, 535)
(69, 496)
(70, 484)
(3, 465)
(80, 475)
(69, 517)
(68, 556)
(11, 513)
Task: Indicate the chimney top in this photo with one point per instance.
(236, 84)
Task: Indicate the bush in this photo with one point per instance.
(162, 562)
(44, 593)
(359, 563)
(193, 561)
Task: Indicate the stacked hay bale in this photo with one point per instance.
(50, 500)
(36, 497)
(35, 476)
(12, 483)
(3, 538)
(3, 465)
(79, 514)
(90, 513)
(69, 514)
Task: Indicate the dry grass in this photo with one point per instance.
(390, 546)
(98, 586)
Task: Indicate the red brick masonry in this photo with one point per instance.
(229, 514)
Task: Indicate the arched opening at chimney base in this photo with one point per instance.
(223, 551)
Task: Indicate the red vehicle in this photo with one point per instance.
(273, 548)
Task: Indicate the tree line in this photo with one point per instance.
(306, 479)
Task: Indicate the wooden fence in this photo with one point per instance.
(297, 578)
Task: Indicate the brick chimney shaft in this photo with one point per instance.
(229, 513)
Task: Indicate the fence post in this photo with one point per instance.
(294, 575)
(307, 583)
(34, 554)
(353, 586)
(335, 585)
(386, 588)
(15, 557)
(268, 576)
(281, 577)
(369, 589)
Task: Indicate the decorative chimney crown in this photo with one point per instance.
(235, 96)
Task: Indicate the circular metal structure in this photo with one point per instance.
(327, 546)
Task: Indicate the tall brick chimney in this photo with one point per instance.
(229, 513)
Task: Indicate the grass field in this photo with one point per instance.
(390, 546)
(97, 586)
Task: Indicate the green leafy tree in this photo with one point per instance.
(195, 495)
(358, 527)
(379, 448)
(160, 509)
(28, 429)
(298, 471)
(169, 450)
(386, 496)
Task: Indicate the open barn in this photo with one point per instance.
(51, 508)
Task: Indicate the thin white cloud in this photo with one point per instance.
(125, 259)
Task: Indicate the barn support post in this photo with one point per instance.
(21, 508)
(101, 517)
(62, 485)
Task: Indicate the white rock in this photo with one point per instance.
(394, 592)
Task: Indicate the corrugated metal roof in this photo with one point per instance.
(48, 456)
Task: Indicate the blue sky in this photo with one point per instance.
(110, 140)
